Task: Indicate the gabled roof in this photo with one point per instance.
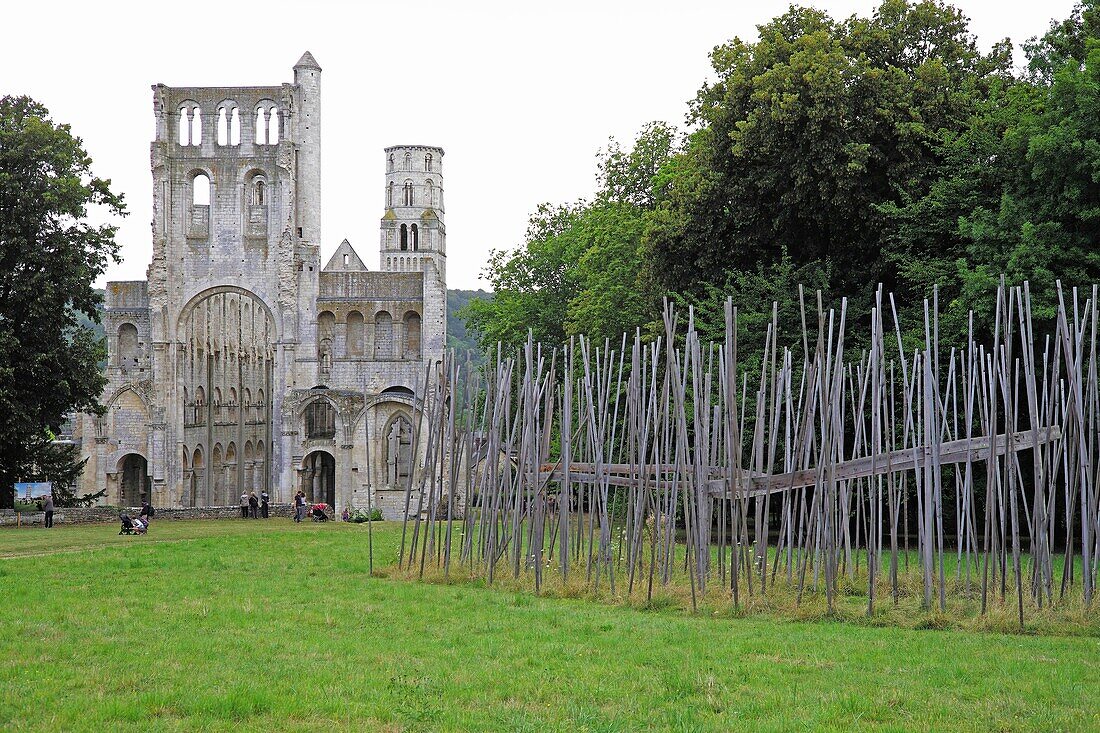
(336, 262)
(307, 62)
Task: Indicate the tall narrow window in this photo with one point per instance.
(389, 166)
(408, 161)
(408, 193)
(404, 237)
(196, 127)
(320, 420)
(431, 193)
(273, 127)
(389, 196)
(200, 190)
(235, 127)
(223, 127)
(383, 335)
(412, 335)
(354, 342)
(127, 346)
(428, 162)
(184, 128)
(261, 126)
(260, 201)
(416, 238)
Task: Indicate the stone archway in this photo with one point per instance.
(318, 475)
(133, 480)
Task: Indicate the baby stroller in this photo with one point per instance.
(131, 525)
(318, 513)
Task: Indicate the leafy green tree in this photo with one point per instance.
(49, 257)
(808, 132)
(583, 267)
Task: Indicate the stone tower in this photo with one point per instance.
(241, 364)
(413, 233)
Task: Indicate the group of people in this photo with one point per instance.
(254, 507)
(138, 524)
(303, 507)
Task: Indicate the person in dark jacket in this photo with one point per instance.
(299, 506)
(146, 512)
(253, 505)
(47, 507)
(264, 501)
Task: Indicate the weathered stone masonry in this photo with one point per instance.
(240, 364)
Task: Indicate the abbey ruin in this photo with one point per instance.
(241, 364)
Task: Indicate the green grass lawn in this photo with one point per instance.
(274, 626)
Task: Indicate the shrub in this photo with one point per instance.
(361, 515)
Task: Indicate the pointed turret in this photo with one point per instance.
(307, 62)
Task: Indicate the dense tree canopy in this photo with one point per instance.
(49, 257)
(839, 154)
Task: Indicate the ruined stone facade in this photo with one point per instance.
(241, 364)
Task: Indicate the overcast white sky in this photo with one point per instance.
(520, 95)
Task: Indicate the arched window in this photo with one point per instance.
(408, 161)
(217, 466)
(246, 404)
(223, 126)
(200, 406)
(235, 127)
(184, 127)
(355, 333)
(320, 420)
(196, 127)
(267, 124)
(389, 195)
(428, 162)
(389, 164)
(127, 346)
(431, 193)
(233, 407)
(397, 447)
(408, 193)
(200, 190)
(261, 126)
(383, 335)
(415, 238)
(259, 192)
(326, 331)
(404, 237)
(412, 335)
(229, 124)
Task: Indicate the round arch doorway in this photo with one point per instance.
(319, 478)
(133, 487)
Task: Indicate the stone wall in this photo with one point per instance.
(89, 515)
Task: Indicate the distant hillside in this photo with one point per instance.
(458, 338)
(83, 320)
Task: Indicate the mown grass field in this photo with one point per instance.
(274, 626)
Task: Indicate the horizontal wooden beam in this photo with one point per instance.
(906, 459)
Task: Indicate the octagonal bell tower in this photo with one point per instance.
(413, 233)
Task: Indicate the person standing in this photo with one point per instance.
(253, 505)
(244, 506)
(299, 505)
(146, 512)
(48, 508)
(265, 500)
